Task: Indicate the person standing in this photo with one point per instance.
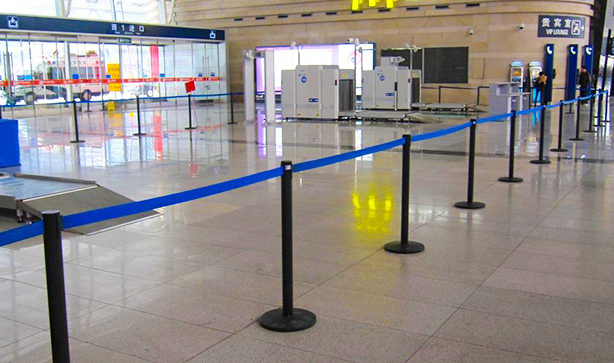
(540, 85)
(585, 83)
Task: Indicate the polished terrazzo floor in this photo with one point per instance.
(527, 279)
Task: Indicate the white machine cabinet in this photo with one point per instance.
(329, 85)
(387, 88)
(314, 91)
(308, 91)
(288, 95)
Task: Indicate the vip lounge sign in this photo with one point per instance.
(560, 26)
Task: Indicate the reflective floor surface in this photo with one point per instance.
(527, 279)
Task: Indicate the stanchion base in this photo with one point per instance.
(541, 161)
(276, 321)
(589, 131)
(191, 128)
(410, 247)
(76, 141)
(576, 139)
(510, 179)
(139, 134)
(468, 205)
(557, 150)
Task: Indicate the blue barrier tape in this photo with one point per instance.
(585, 98)
(549, 107)
(122, 210)
(21, 233)
(318, 163)
(438, 133)
(493, 118)
(570, 101)
(529, 111)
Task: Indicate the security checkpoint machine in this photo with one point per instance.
(317, 92)
(387, 87)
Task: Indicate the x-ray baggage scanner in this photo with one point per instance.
(317, 92)
(387, 88)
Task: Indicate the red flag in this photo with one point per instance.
(190, 86)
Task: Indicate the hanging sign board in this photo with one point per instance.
(561, 26)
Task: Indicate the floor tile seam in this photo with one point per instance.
(384, 296)
(241, 333)
(378, 326)
(575, 327)
(447, 229)
(24, 323)
(111, 349)
(23, 338)
(206, 349)
(132, 254)
(170, 283)
(558, 275)
(501, 349)
(469, 229)
(413, 299)
(195, 224)
(124, 274)
(294, 278)
(570, 259)
(491, 221)
(511, 224)
(200, 291)
(173, 319)
(347, 148)
(565, 196)
(452, 258)
(552, 295)
(339, 273)
(482, 284)
(278, 253)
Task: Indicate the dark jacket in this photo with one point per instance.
(585, 80)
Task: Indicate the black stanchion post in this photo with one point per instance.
(510, 178)
(542, 141)
(190, 127)
(599, 109)
(404, 245)
(138, 117)
(76, 122)
(232, 109)
(478, 101)
(470, 203)
(607, 106)
(56, 295)
(578, 109)
(287, 319)
(559, 148)
(591, 116)
(439, 94)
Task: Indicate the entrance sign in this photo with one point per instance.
(561, 26)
